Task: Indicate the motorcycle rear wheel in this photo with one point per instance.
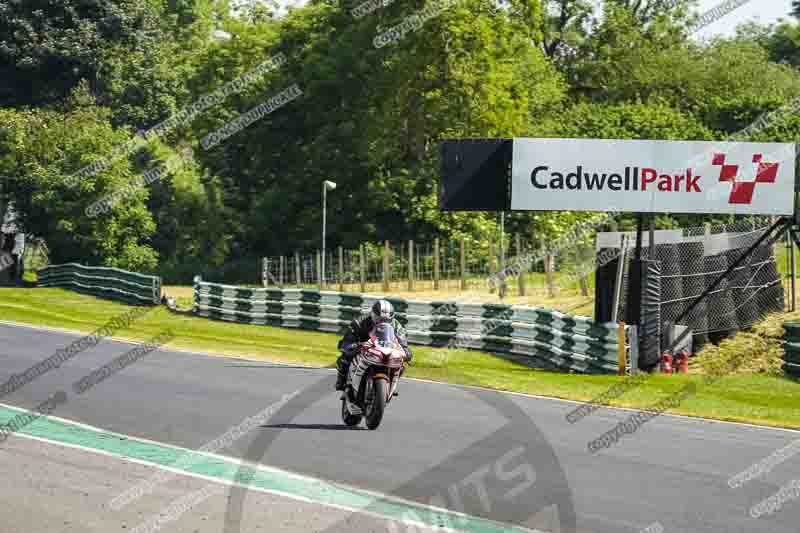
(377, 404)
(349, 419)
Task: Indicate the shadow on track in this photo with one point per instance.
(340, 427)
(282, 367)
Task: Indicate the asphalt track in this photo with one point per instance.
(674, 471)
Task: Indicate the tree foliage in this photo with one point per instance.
(782, 41)
(79, 77)
(39, 150)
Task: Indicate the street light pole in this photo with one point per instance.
(326, 186)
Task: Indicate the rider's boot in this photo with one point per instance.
(342, 366)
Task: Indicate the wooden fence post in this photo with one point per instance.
(584, 275)
(362, 261)
(492, 258)
(436, 264)
(410, 266)
(385, 266)
(548, 274)
(265, 272)
(521, 264)
(280, 271)
(418, 268)
(463, 266)
(298, 279)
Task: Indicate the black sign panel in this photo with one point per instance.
(475, 175)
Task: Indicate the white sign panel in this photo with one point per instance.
(653, 176)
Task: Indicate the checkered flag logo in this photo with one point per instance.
(742, 192)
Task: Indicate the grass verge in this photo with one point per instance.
(759, 398)
(762, 345)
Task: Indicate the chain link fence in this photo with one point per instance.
(693, 258)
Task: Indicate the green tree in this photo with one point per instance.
(40, 149)
(632, 121)
(781, 40)
(371, 120)
(565, 27)
(721, 82)
(647, 11)
(192, 234)
(49, 47)
(132, 53)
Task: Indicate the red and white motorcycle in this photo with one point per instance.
(373, 377)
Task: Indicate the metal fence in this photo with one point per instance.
(438, 265)
(692, 259)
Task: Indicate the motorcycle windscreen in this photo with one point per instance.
(385, 335)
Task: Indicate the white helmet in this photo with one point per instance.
(382, 311)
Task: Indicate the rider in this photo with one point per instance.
(358, 332)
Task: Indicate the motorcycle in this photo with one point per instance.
(373, 378)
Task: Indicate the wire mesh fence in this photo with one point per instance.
(441, 265)
(693, 259)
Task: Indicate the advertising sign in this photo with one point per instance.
(653, 176)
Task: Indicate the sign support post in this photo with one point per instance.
(793, 259)
(639, 232)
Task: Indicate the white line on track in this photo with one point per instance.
(264, 468)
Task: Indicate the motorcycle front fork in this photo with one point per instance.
(393, 389)
(349, 393)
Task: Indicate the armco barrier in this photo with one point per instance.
(548, 338)
(111, 283)
(791, 348)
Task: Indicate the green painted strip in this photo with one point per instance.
(225, 469)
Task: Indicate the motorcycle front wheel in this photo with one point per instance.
(377, 403)
(349, 420)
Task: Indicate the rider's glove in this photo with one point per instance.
(350, 349)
